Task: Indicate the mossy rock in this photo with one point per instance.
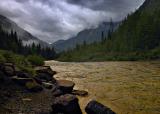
(9, 69)
(22, 81)
(47, 85)
(33, 87)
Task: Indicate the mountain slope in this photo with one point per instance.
(140, 31)
(138, 37)
(25, 36)
(88, 35)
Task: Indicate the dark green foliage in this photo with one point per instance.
(20, 61)
(2, 59)
(10, 41)
(47, 53)
(137, 38)
(36, 60)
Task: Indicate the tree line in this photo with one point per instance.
(137, 38)
(11, 42)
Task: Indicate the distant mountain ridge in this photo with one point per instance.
(26, 37)
(137, 38)
(88, 35)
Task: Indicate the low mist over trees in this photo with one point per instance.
(137, 38)
(11, 42)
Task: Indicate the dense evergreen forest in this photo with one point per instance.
(10, 42)
(137, 38)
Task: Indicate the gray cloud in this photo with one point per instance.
(51, 20)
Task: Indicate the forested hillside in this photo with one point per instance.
(137, 38)
(26, 37)
(11, 42)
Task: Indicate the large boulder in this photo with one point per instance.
(66, 104)
(21, 81)
(65, 86)
(94, 107)
(33, 87)
(80, 93)
(8, 69)
(44, 77)
(45, 69)
(45, 74)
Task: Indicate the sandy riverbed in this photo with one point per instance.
(126, 87)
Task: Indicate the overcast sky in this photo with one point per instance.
(52, 20)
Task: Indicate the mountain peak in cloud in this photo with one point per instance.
(51, 20)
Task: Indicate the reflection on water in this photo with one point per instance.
(126, 87)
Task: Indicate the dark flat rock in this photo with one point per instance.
(45, 69)
(65, 85)
(94, 107)
(80, 93)
(21, 81)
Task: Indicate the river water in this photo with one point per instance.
(125, 87)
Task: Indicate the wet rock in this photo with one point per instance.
(94, 107)
(65, 86)
(66, 104)
(47, 85)
(45, 78)
(80, 93)
(33, 87)
(9, 71)
(45, 74)
(8, 64)
(21, 81)
(57, 92)
(2, 76)
(39, 81)
(22, 74)
(26, 99)
(45, 69)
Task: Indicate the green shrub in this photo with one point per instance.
(36, 60)
(28, 69)
(8, 56)
(2, 59)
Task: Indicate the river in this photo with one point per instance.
(125, 87)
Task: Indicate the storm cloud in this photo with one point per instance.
(52, 20)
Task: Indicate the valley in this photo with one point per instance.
(79, 61)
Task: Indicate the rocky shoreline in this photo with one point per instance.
(56, 96)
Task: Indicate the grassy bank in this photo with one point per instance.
(24, 63)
